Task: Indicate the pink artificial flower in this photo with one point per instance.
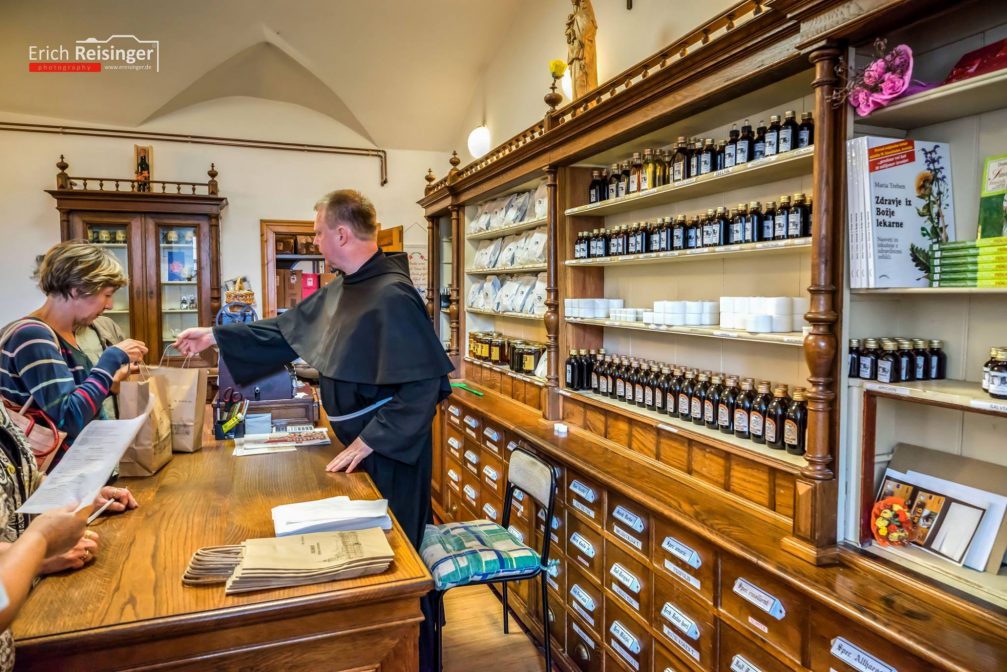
(893, 85)
(902, 60)
(875, 71)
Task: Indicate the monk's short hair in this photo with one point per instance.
(78, 265)
(349, 207)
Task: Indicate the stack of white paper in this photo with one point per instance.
(334, 514)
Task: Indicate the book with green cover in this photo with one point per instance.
(993, 198)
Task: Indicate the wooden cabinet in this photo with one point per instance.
(169, 245)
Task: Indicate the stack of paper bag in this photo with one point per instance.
(330, 515)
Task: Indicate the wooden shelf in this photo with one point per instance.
(507, 230)
(177, 312)
(952, 101)
(794, 339)
(111, 246)
(936, 291)
(503, 369)
(300, 257)
(770, 169)
(513, 316)
(728, 442)
(958, 394)
(698, 254)
(535, 268)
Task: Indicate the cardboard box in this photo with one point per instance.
(326, 278)
(282, 287)
(285, 244)
(309, 284)
(306, 245)
(293, 289)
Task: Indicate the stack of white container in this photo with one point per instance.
(593, 308)
(763, 314)
(683, 313)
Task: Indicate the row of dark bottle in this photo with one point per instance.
(764, 414)
(750, 223)
(658, 167)
(897, 360)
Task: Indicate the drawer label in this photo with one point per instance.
(751, 593)
(470, 492)
(682, 574)
(471, 422)
(491, 434)
(583, 508)
(625, 655)
(672, 614)
(490, 473)
(583, 614)
(551, 575)
(519, 496)
(471, 433)
(634, 521)
(516, 533)
(758, 625)
(627, 638)
(679, 642)
(857, 658)
(453, 475)
(585, 546)
(627, 537)
(471, 457)
(490, 511)
(585, 491)
(629, 599)
(511, 446)
(583, 635)
(454, 443)
(582, 596)
(625, 577)
(455, 411)
(740, 664)
(684, 553)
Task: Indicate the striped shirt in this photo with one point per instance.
(56, 376)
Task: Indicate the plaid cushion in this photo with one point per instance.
(460, 553)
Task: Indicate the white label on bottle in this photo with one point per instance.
(625, 637)
(490, 511)
(627, 537)
(688, 626)
(693, 165)
(729, 151)
(884, 371)
(679, 642)
(998, 383)
(708, 412)
(780, 226)
(704, 164)
(723, 416)
(770, 430)
(644, 184)
(638, 393)
(740, 420)
(683, 403)
(752, 593)
(741, 153)
(583, 491)
(786, 139)
(634, 184)
(794, 224)
(772, 139)
(658, 399)
(620, 388)
(697, 410)
(625, 577)
(803, 138)
(621, 191)
(491, 474)
(628, 517)
(582, 544)
(683, 552)
(865, 367)
(648, 397)
(857, 658)
(583, 508)
(471, 457)
(683, 575)
(678, 170)
(629, 599)
(740, 664)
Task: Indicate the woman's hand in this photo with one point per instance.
(78, 556)
(61, 529)
(123, 499)
(134, 349)
(122, 374)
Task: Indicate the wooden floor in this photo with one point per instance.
(474, 637)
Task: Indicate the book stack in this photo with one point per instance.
(969, 263)
(330, 515)
(900, 203)
(263, 564)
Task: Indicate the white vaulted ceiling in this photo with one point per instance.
(398, 73)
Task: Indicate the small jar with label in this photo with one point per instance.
(998, 376)
(720, 158)
(760, 407)
(798, 219)
(937, 360)
(693, 234)
(806, 131)
(788, 132)
(743, 153)
(780, 221)
(795, 426)
(685, 395)
(987, 366)
(680, 161)
(853, 359)
(698, 401)
(707, 157)
(727, 405)
(731, 147)
(756, 221)
(743, 410)
(869, 359)
(674, 387)
(888, 363)
(739, 225)
(773, 135)
(907, 371)
(776, 414)
(713, 393)
(921, 368)
(759, 146)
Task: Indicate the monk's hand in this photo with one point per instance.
(194, 340)
(350, 457)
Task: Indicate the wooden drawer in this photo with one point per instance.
(556, 579)
(664, 661)
(471, 458)
(584, 547)
(586, 497)
(583, 647)
(557, 530)
(629, 580)
(470, 493)
(453, 474)
(523, 506)
(560, 472)
(472, 424)
(492, 475)
(630, 522)
(628, 641)
(521, 531)
(762, 605)
(493, 439)
(557, 625)
(454, 443)
(453, 412)
(837, 644)
(452, 507)
(492, 508)
(512, 443)
(584, 599)
(685, 556)
(684, 624)
(738, 653)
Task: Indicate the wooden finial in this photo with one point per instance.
(454, 161)
(430, 178)
(62, 179)
(211, 186)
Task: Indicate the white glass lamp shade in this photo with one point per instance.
(479, 141)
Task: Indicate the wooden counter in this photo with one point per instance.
(129, 609)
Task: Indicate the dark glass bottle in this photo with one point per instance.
(888, 363)
(730, 149)
(674, 387)
(594, 189)
(938, 360)
(696, 151)
(648, 176)
(769, 221)
(798, 219)
(759, 145)
(626, 175)
(853, 359)
(780, 222)
(806, 131)
(795, 425)
(586, 369)
(639, 380)
(727, 405)
(743, 153)
(987, 367)
(773, 136)
(603, 376)
(708, 157)
(693, 234)
(571, 371)
(660, 168)
(757, 417)
(698, 399)
(616, 389)
(614, 179)
(907, 371)
(869, 359)
(921, 370)
(596, 359)
(649, 385)
(743, 410)
(720, 228)
(739, 225)
(680, 161)
(788, 132)
(635, 170)
(664, 235)
(662, 384)
(631, 239)
(713, 393)
(754, 229)
(624, 383)
(719, 159)
(678, 233)
(775, 416)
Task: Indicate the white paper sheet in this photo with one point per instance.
(86, 467)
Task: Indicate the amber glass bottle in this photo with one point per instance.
(726, 406)
(795, 425)
(760, 407)
(743, 410)
(713, 392)
(775, 415)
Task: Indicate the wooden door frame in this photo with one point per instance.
(268, 229)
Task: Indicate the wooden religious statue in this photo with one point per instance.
(582, 57)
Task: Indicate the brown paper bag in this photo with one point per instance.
(151, 449)
(185, 396)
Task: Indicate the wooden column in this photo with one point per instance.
(433, 270)
(816, 489)
(552, 409)
(454, 308)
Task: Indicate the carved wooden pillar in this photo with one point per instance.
(552, 410)
(816, 489)
(454, 309)
(433, 269)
